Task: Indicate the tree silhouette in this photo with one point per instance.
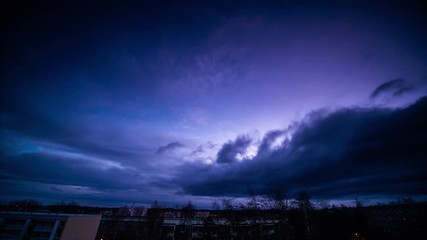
(302, 201)
(154, 220)
(29, 205)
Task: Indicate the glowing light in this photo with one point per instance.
(278, 142)
(249, 153)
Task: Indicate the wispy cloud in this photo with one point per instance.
(169, 147)
(395, 87)
(213, 65)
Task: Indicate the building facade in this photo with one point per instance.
(48, 226)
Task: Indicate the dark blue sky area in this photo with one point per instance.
(110, 102)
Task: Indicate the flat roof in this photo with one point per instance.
(40, 214)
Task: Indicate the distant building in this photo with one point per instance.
(48, 226)
(392, 222)
(399, 221)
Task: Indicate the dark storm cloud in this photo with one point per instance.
(395, 87)
(230, 150)
(169, 147)
(345, 153)
(269, 140)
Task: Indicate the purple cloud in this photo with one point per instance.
(339, 154)
(395, 87)
(229, 151)
(169, 147)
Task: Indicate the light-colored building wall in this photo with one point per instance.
(48, 226)
(81, 227)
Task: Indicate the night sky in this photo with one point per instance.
(108, 103)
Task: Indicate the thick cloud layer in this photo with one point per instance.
(345, 153)
(231, 151)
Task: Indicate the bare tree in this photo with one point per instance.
(277, 198)
(303, 202)
(29, 205)
(188, 213)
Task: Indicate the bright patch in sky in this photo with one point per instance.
(249, 153)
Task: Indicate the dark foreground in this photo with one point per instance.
(394, 222)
